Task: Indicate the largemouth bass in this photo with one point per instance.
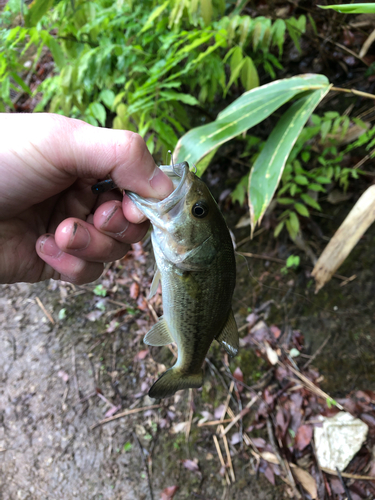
(196, 265)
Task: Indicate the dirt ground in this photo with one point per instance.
(59, 380)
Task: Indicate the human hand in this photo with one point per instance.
(51, 225)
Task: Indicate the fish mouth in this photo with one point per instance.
(152, 207)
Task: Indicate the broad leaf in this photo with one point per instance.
(248, 110)
(350, 8)
(269, 165)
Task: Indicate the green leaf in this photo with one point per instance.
(278, 34)
(170, 95)
(248, 110)
(269, 165)
(278, 228)
(154, 14)
(301, 209)
(127, 447)
(21, 83)
(249, 74)
(357, 8)
(317, 187)
(322, 179)
(108, 97)
(301, 179)
(56, 51)
(206, 11)
(98, 111)
(292, 225)
(36, 11)
(310, 201)
(285, 201)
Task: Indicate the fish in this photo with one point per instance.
(195, 263)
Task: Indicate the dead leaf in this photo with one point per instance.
(238, 375)
(141, 355)
(94, 315)
(169, 493)
(272, 356)
(63, 375)
(134, 290)
(191, 465)
(269, 457)
(307, 481)
(303, 436)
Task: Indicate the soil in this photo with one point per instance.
(54, 378)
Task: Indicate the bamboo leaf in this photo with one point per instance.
(269, 165)
(248, 110)
(36, 11)
(357, 8)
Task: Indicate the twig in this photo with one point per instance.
(229, 458)
(225, 409)
(347, 492)
(49, 317)
(241, 414)
(215, 422)
(317, 352)
(353, 91)
(221, 458)
(309, 385)
(190, 418)
(124, 414)
(144, 465)
(282, 462)
(348, 475)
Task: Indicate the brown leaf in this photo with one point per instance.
(276, 331)
(238, 375)
(190, 465)
(307, 481)
(141, 355)
(134, 290)
(303, 436)
(169, 493)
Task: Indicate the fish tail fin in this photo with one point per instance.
(174, 380)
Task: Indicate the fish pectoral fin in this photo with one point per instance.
(228, 337)
(159, 334)
(154, 284)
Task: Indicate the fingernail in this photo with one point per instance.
(80, 237)
(114, 222)
(161, 183)
(47, 246)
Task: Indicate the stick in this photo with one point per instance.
(221, 458)
(347, 492)
(124, 414)
(317, 352)
(49, 317)
(241, 414)
(348, 475)
(214, 422)
(229, 458)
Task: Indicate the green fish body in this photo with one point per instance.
(196, 265)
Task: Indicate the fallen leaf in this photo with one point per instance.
(180, 427)
(190, 465)
(141, 355)
(269, 457)
(276, 331)
(63, 375)
(307, 481)
(169, 493)
(134, 290)
(94, 315)
(303, 436)
(272, 356)
(238, 375)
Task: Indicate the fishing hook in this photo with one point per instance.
(174, 170)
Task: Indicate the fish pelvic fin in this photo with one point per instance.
(174, 380)
(228, 337)
(159, 334)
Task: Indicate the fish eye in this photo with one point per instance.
(200, 210)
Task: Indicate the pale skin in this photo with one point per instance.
(51, 225)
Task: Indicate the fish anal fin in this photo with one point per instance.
(174, 380)
(159, 334)
(154, 284)
(228, 337)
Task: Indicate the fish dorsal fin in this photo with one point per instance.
(228, 337)
(159, 334)
(154, 284)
